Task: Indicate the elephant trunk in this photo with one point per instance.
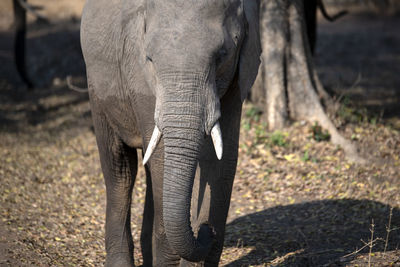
(183, 135)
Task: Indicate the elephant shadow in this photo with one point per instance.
(313, 233)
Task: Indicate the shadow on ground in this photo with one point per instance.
(314, 233)
(52, 109)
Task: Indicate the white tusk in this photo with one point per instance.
(217, 140)
(155, 138)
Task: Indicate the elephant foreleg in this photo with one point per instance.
(119, 165)
(161, 253)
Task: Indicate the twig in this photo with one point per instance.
(381, 115)
(239, 243)
(388, 230)
(73, 87)
(303, 235)
(365, 245)
(355, 83)
(28, 8)
(355, 252)
(372, 229)
(279, 260)
(313, 253)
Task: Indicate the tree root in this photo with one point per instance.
(331, 106)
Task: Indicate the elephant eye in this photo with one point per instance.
(220, 55)
(149, 59)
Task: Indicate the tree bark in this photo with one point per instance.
(287, 85)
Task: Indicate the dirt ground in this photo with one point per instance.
(296, 201)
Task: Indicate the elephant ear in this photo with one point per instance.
(249, 59)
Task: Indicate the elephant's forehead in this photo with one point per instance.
(195, 16)
(208, 8)
(186, 3)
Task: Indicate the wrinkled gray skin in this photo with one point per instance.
(180, 65)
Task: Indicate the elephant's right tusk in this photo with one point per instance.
(217, 140)
(155, 138)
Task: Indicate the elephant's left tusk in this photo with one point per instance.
(217, 140)
(155, 138)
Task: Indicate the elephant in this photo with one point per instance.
(169, 77)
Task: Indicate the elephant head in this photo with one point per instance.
(195, 51)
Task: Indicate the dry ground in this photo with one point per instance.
(296, 200)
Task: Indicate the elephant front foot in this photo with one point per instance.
(119, 260)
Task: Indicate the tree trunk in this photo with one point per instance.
(287, 85)
(19, 42)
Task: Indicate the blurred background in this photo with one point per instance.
(53, 49)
